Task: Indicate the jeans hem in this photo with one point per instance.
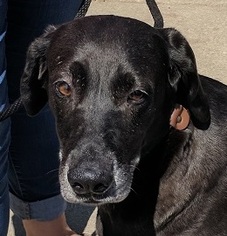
(44, 210)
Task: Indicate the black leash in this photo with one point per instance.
(13, 108)
(83, 9)
(158, 23)
(156, 14)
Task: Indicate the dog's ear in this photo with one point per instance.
(184, 79)
(35, 76)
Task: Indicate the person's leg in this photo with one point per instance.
(4, 128)
(33, 173)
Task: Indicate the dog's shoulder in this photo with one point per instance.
(216, 92)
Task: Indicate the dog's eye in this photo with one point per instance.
(137, 97)
(63, 88)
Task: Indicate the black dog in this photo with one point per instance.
(113, 84)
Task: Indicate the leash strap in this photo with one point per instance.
(13, 108)
(83, 9)
(156, 14)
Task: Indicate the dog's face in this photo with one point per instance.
(112, 84)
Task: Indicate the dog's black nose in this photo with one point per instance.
(85, 181)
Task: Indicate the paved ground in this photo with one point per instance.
(203, 22)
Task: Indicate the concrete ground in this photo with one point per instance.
(202, 22)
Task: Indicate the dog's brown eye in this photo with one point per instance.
(136, 97)
(63, 88)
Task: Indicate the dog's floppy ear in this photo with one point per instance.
(35, 76)
(184, 79)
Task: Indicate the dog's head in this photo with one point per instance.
(112, 84)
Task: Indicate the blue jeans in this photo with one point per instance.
(29, 158)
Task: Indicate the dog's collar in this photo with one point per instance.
(180, 118)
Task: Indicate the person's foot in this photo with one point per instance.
(56, 227)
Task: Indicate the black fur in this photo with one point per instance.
(118, 150)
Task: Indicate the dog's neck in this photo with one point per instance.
(176, 167)
(146, 198)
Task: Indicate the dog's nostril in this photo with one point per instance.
(89, 182)
(79, 188)
(100, 188)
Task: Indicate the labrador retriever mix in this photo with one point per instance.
(142, 135)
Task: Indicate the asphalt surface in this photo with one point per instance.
(202, 22)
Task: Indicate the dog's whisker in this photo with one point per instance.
(133, 191)
(135, 167)
(51, 171)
